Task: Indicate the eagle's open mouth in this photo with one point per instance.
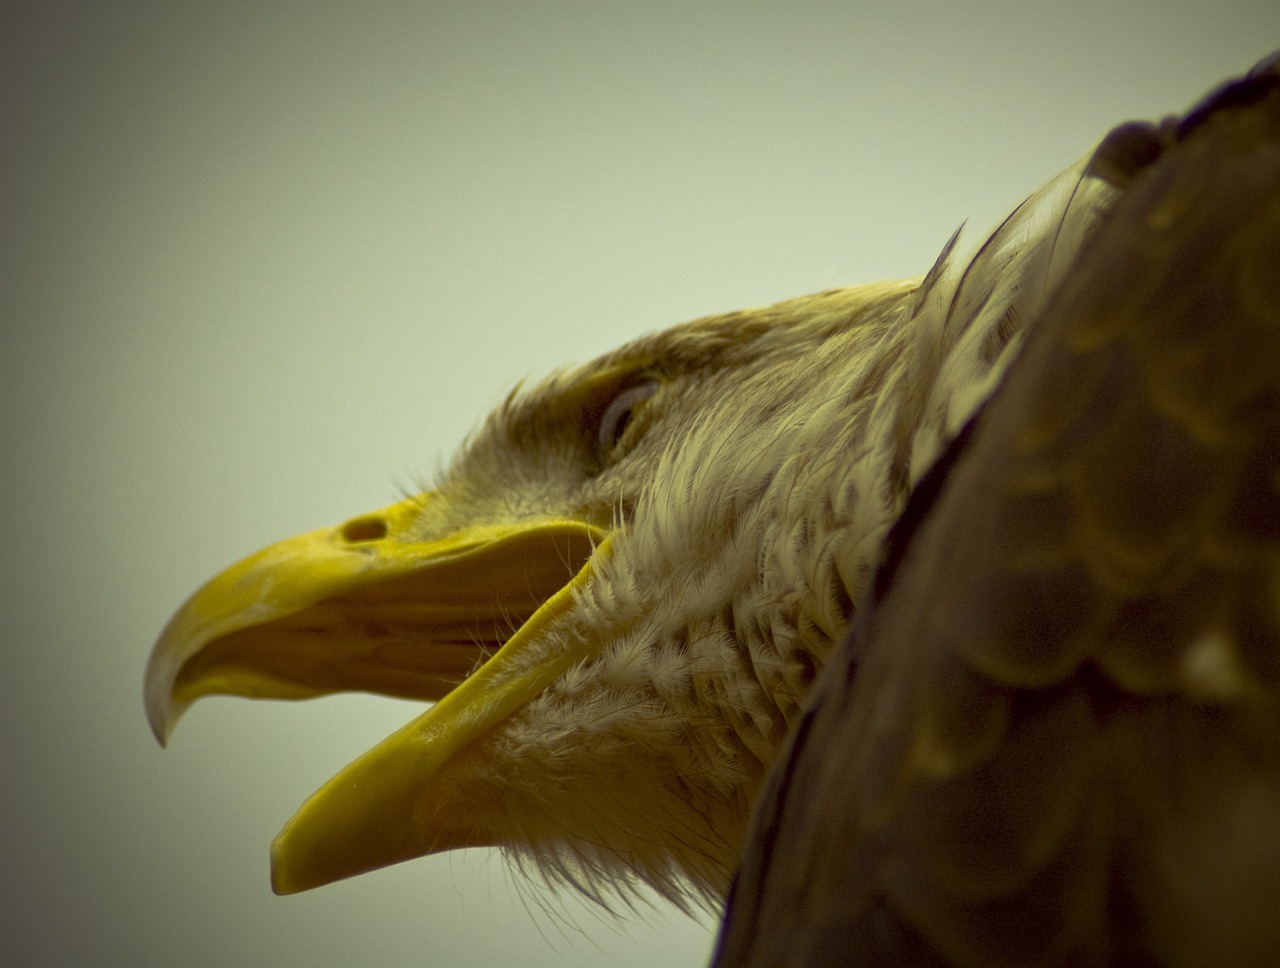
(459, 619)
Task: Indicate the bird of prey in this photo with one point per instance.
(1052, 736)
(620, 593)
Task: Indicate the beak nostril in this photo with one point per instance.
(369, 528)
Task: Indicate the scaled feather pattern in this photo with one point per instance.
(1053, 734)
(621, 591)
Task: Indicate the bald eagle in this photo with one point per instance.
(619, 595)
(1053, 734)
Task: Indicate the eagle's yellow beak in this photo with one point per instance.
(373, 605)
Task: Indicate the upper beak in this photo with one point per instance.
(372, 605)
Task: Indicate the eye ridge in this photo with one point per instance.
(617, 416)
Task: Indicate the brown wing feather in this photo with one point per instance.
(1055, 736)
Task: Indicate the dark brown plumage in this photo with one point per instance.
(1053, 735)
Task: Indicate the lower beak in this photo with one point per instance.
(462, 618)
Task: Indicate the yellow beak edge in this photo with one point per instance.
(371, 605)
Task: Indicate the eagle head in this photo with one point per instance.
(616, 597)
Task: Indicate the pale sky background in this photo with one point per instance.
(263, 266)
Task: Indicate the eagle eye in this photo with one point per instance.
(619, 412)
